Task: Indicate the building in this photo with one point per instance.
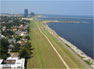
(12, 63)
(21, 27)
(26, 13)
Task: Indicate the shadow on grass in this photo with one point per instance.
(28, 58)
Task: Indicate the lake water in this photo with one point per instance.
(79, 34)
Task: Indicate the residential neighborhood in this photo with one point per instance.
(14, 40)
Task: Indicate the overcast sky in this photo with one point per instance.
(60, 7)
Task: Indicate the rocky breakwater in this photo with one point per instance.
(79, 52)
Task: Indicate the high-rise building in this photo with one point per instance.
(26, 13)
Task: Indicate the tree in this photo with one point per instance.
(4, 48)
(18, 38)
(25, 51)
(27, 37)
(8, 33)
(28, 45)
(16, 47)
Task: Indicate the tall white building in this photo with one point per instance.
(12, 63)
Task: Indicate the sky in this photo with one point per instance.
(58, 7)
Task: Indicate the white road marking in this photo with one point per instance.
(53, 48)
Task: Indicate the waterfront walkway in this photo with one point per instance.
(48, 51)
(53, 47)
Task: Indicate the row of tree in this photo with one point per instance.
(4, 48)
(24, 51)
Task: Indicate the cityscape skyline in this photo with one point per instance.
(84, 8)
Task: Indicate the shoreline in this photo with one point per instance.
(62, 21)
(76, 50)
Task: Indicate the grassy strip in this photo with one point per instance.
(43, 54)
(78, 55)
(71, 60)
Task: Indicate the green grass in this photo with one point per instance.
(87, 62)
(43, 54)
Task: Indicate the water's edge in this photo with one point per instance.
(74, 48)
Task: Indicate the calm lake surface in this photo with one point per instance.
(79, 34)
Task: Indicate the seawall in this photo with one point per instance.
(70, 45)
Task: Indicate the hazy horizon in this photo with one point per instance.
(81, 8)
